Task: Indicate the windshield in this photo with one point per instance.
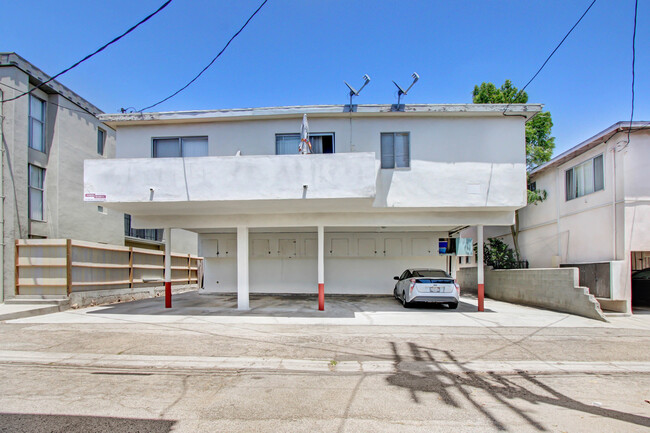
(430, 273)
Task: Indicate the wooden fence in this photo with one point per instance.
(63, 266)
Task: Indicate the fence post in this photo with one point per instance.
(17, 277)
(68, 265)
(130, 267)
(189, 269)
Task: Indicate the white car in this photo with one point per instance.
(426, 285)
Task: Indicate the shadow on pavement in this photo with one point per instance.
(336, 306)
(502, 388)
(37, 423)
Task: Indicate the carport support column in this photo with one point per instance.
(321, 268)
(479, 266)
(242, 268)
(168, 267)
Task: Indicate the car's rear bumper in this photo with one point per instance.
(435, 299)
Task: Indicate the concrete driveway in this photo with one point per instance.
(196, 308)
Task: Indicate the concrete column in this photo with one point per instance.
(168, 267)
(321, 268)
(242, 268)
(479, 267)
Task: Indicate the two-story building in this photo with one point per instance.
(379, 191)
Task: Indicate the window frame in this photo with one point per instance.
(314, 134)
(32, 119)
(40, 189)
(101, 143)
(381, 152)
(571, 185)
(180, 139)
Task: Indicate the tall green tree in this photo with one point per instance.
(539, 142)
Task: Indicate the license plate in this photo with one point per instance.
(435, 289)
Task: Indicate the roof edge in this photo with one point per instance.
(524, 110)
(9, 59)
(588, 144)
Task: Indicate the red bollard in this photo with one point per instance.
(168, 294)
(321, 296)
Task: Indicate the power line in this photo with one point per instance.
(636, 7)
(83, 110)
(95, 52)
(553, 52)
(209, 64)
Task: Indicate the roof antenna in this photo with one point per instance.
(400, 92)
(353, 92)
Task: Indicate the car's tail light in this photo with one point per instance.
(412, 285)
(457, 286)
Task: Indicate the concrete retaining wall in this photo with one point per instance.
(557, 289)
(97, 297)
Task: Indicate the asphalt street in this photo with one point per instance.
(137, 368)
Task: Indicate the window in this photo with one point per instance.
(36, 123)
(36, 178)
(585, 178)
(101, 210)
(287, 144)
(395, 150)
(532, 186)
(148, 234)
(101, 140)
(175, 147)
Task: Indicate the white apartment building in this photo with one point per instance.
(596, 215)
(379, 191)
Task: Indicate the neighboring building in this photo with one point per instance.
(385, 186)
(46, 136)
(596, 215)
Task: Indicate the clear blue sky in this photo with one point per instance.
(298, 52)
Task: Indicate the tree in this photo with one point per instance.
(539, 142)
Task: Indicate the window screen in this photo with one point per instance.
(395, 150)
(36, 123)
(36, 181)
(175, 147)
(585, 178)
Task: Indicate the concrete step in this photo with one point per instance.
(61, 301)
(19, 311)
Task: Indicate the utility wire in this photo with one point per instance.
(209, 64)
(164, 5)
(636, 7)
(551, 55)
(83, 110)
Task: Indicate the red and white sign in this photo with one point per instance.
(94, 196)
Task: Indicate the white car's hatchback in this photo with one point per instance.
(427, 285)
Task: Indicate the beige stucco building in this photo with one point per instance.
(46, 136)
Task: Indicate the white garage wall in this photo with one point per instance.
(355, 263)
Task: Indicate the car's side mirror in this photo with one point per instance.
(396, 278)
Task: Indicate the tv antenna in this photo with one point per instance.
(401, 91)
(354, 92)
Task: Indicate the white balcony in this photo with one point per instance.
(233, 184)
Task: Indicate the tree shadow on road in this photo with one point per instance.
(503, 388)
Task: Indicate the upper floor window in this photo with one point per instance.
(35, 200)
(395, 150)
(36, 123)
(175, 147)
(288, 144)
(585, 178)
(101, 140)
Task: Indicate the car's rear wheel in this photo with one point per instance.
(404, 303)
(453, 305)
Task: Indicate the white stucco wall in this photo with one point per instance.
(361, 262)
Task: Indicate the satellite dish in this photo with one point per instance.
(354, 92)
(401, 91)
